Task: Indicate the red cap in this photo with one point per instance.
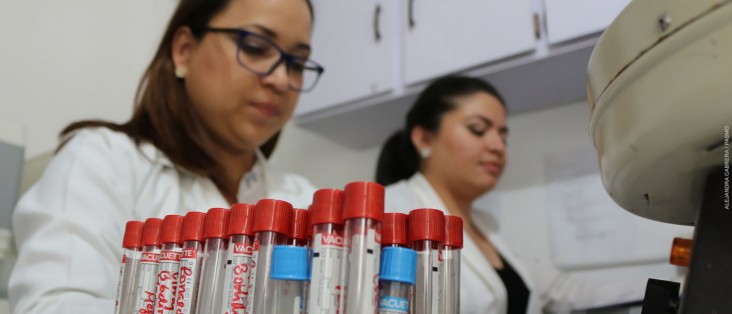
(273, 215)
(133, 235)
(214, 225)
(151, 231)
(241, 219)
(193, 226)
(327, 207)
(363, 200)
(300, 224)
(170, 231)
(453, 231)
(394, 229)
(426, 224)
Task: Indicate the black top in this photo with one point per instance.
(518, 293)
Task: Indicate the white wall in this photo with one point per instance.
(62, 61)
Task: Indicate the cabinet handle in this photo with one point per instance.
(411, 14)
(377, 15)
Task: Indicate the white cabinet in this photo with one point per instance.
(568, 19)
(355, 42)
(447, 36)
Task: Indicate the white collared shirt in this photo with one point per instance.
(69, 225)
(481, 289)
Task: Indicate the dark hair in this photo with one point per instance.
(163, 114)
(399, 158)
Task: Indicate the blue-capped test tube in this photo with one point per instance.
(289, 274)
(398, 274)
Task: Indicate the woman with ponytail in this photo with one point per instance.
(451, 151)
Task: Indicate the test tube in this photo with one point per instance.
(327, 252)
(238, 259)
(169, 265)
(398, 271)
(300, 235)
(450, 249)
(272, 225)
(363, 207)
(132, 246)
(426, 232)
(289, 274)
(147, 275)
(211, 286)
(190, 263)
(394, 230)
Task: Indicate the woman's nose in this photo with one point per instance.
(278, 79)
(495, 142)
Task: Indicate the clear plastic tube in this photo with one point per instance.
(361, 265)
(261, 289)
(236, 274)
(211, 286)
(128, 274)
(289, 274)
(188, 277)
(146, 280)
(167, 278)
(450, 250)
(326, 259)
(132, 245)
(398, 270)
(425, 298)
(450, 280)
(393, 297)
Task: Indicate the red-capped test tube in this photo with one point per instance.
(272, 226)
(238, 259)
(327, 252)
(190, 263)
(426, 232)
(363, 208)
(169, 264)
(301, 232)
(212, 269)
(394, 230)
(147, 276)
(450, 249)
(132, 245)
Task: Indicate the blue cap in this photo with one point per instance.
(289, 263)
(398, 264)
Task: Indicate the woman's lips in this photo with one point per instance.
(267, 109)
(492, 167)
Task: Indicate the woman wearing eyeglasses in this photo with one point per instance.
(210, 106)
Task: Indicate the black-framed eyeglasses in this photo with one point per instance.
(261, 56)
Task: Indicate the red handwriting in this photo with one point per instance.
(185, 273)
(148, 304)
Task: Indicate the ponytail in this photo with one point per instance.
(398, 159)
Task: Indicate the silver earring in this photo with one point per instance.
(425, 153)
(180, 72)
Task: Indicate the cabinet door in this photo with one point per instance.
(448, 36)
(568, 19)
(355, 42)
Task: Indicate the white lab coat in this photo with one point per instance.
(481, 289)
(69, 225)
